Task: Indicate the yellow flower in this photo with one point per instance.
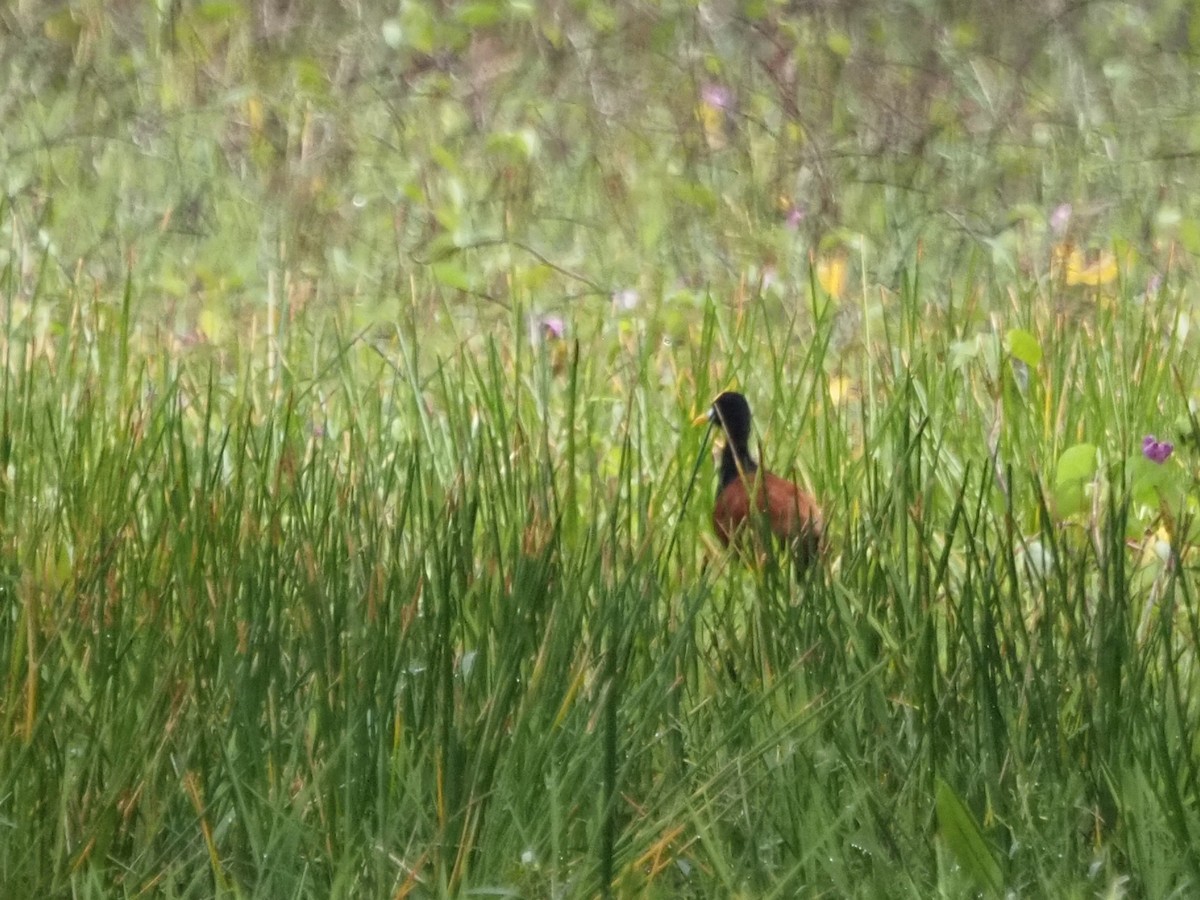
(841, 390)
(712, 120)
(831, 273)
(1101, 270)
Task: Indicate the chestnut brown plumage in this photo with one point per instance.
(792, 515)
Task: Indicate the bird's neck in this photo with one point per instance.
(735, 463)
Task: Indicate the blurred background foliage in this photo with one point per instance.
(575, 150)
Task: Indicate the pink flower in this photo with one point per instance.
(625, 300)
(1060, 219)
(546, 328)
(717, 96)
(553, 327)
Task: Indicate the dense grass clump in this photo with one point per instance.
(355, 542)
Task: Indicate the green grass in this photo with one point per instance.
(461, 635)
(319, 577)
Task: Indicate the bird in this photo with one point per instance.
(791, 514)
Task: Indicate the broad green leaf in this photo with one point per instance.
(961, 834)
(1154, 484)
(1077, 463)
(1024, 346)
(1076, 466)
(1069, 498)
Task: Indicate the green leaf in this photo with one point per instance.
(1189, 235)
(1069, 498)
(417, 27)
(451, 275)
(444, 158)
(839, 44)
(521, 145)
(961, 834)
(601, 17)
(695, 193)
(963, 352)
(311, 76)
(1024, 346)
(963, 36)
(219, 11)
(755, 10)
(213, 323)
(1077, 463)
(56, 572)
(1076, 466)
(479, 15)
(1156, 483)
(62, 27)
(532, 277)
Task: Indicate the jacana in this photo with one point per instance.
(791, 515)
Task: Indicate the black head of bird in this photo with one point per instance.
(791, 515)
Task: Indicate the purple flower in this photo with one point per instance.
(795, 216)
(1155, 450)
